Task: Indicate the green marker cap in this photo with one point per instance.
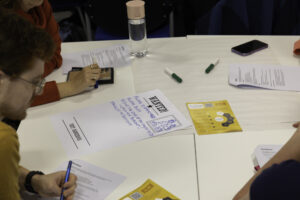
(177, 78)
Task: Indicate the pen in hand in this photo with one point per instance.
(66, 179)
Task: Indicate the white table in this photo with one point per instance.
(255, 109)
(171, 161)
(224, 160)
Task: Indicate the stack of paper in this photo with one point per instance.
(265, 76)
(92, 182)
(263, 153)
(114, 56)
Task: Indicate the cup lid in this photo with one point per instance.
(135, 9)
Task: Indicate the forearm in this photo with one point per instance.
(65, 90)
(290, 150)
(35, 180)
(22, 176)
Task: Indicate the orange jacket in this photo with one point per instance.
(42, 17)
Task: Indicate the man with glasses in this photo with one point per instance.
(23, 52)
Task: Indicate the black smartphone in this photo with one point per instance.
(107, 75)
(249, 47)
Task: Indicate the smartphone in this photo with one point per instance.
(249, 47)
(107, 75)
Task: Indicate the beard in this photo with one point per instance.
(8, 112)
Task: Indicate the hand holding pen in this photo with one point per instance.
(52, 185)
(67, 176)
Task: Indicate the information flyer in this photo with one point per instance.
(213, 117)
(117, 122)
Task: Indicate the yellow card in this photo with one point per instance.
(213, 117)
(149, 191)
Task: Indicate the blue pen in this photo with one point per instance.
(66, 179)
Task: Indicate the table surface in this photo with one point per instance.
(179, 161)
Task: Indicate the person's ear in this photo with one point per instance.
(2, 75)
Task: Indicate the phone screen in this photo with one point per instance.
(249, 47)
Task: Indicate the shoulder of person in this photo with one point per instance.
(46, 5)
(8, 136)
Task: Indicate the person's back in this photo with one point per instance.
(280, 181)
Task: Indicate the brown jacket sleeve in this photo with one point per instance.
(9, 159)
(50, 94)
(53, 29)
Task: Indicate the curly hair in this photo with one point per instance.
(20, 43)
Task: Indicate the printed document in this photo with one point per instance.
(213, 117)
(117, 122)
(265, 76)
(263, 153)
(92, 182)
(114, 56)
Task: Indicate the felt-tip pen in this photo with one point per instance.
(66, 179)
(173, 75)
(211, 66)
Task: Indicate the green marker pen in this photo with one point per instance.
(173, 75)
(211, 66)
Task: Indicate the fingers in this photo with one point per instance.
(92, 67)
(70, 191)
(70, 186)
(92, 73)
(71, 181)
(70, 197)
(296, 125)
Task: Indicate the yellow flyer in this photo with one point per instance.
(149, 191)
(213, 117)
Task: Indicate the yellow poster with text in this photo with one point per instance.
(149, 191)
(213, 117)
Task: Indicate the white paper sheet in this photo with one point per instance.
(92, 182)
(117, 122)
(263, 153)
(265, 76)
(114, 56)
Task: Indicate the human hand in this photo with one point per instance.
(296, 125)
(87, 77)
(51, 185)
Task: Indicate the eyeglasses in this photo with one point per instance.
(39, 86)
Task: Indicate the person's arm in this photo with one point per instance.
(9, 159)
(50, 94)
(53, 29)
(49, 185)
(245, 197)
(290, 151)
(80, 81)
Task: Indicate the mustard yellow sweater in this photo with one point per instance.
(9, 163)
